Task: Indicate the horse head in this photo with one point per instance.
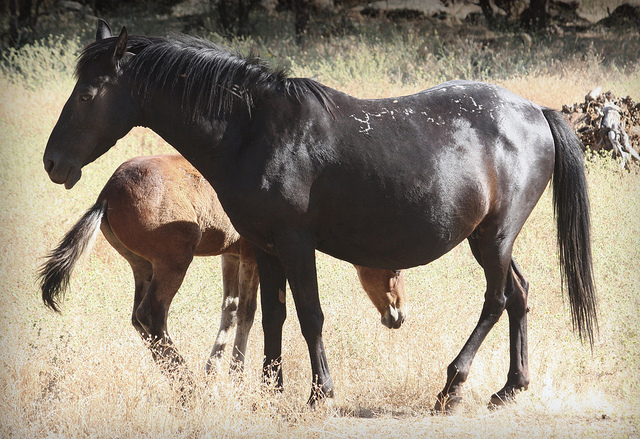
(98, 112)
(392, 306)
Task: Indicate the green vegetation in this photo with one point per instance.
(87, 373)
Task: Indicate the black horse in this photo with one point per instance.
(388, 183)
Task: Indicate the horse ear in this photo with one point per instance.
(121, 46)
(104, 31)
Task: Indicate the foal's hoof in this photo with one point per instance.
(447, 404)
(211, 367)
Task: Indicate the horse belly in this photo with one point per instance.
(394, 240)
(409, 214)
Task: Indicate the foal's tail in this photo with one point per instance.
(54, 274)
(571, 205)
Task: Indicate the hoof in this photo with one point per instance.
(211, 367)
(504, 397)
(320, 393)
(497, 402)
(185, 389)
(447, 404)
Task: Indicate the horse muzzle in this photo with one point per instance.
(393, 317)
(68, 175)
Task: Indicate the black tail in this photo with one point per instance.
(55, 273)
(571, 205)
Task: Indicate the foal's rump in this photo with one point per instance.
(162, 209)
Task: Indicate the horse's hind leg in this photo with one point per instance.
(516, 290)
(495, 257)
(230, 297)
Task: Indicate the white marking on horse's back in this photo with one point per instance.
(367, 124)
(367, 120)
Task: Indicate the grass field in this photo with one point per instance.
(86, 373)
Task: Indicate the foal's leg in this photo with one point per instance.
(152, 316)
(495, 258)
(516, 290)
(142, 275)
(274, 312)
(248, 281)
(230, 296)
(142, 271)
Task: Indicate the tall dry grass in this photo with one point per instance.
(86, 373)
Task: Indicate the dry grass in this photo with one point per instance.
(86, 373)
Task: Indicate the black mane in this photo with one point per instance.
(210, 77)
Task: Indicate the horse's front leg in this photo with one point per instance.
(297, 254)
(274, 312)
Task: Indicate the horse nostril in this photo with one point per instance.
(48, 165)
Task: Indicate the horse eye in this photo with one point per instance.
(86, 97)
